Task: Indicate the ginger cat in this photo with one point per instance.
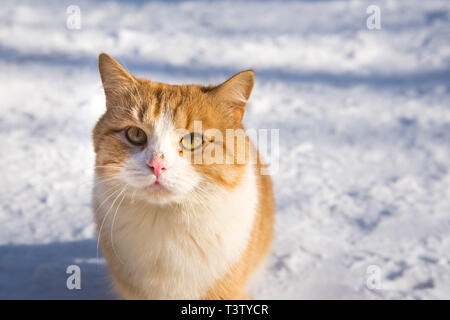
(181, 211)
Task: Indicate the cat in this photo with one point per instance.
(171, 227)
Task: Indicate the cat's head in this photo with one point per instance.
(168, 143)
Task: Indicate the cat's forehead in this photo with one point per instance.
(182, 104)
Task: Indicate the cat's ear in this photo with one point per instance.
(234, 93)
(116, 80)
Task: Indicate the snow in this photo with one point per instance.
(364, 120)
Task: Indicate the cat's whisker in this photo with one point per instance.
(137, 91)
(98, 181)
(104, 219)
(110, 195)
(113, 167)
(112, 226)
(120, 107)
(132, 197)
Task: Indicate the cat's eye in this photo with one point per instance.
(136, 136)
(191, 141)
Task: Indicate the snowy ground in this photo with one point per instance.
(364, 119)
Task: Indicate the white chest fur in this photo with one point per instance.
(177, 252)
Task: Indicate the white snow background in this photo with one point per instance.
(364, 119)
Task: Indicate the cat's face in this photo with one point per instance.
(167, 143)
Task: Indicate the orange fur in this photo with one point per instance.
(140, 214)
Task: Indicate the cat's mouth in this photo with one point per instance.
(156, 186)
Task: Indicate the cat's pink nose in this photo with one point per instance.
(157, 166)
